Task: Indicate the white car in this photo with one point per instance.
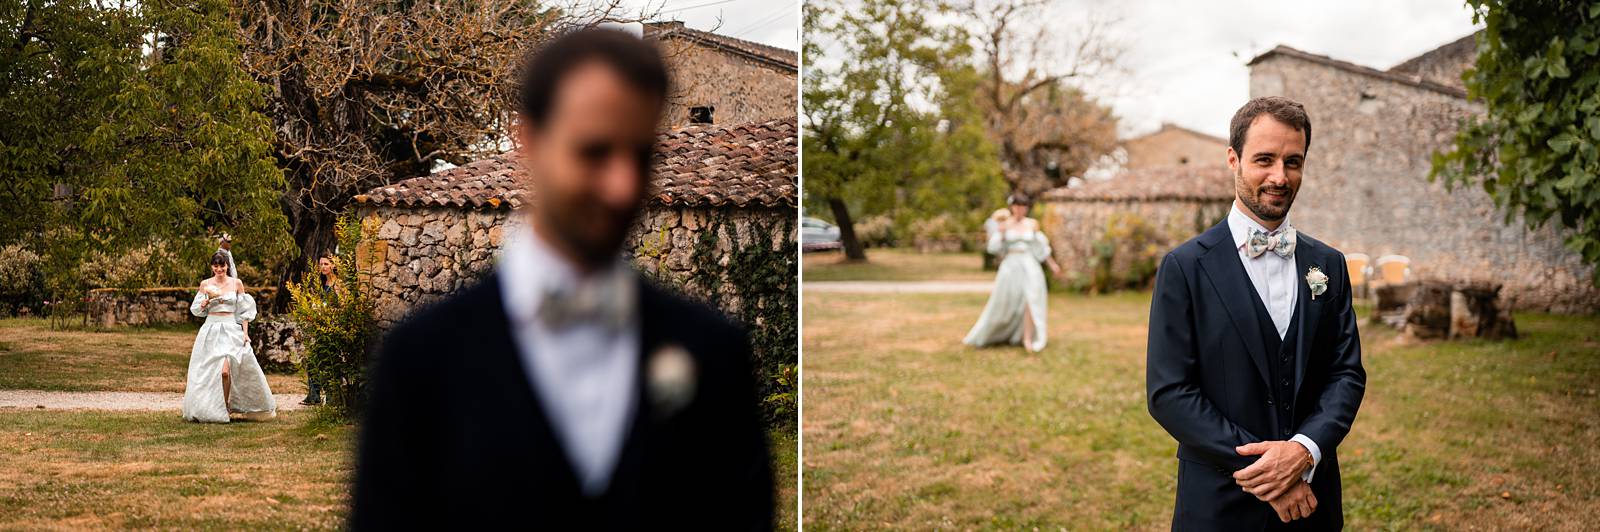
(818, 235)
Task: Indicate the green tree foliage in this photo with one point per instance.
(130, 128)
(890, 124)
(1536, 150)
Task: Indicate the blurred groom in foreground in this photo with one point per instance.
(565, 391)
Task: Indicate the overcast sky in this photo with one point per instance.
(1185, 60)
(772, 22)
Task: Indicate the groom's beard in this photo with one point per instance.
(1251, 198)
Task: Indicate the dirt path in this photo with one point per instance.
(44, 400)
(899, 287)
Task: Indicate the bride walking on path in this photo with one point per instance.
(1016, 310)
(223, 373)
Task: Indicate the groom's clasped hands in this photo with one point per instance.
(1277, 477)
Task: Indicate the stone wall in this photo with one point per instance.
(418, 256)
(1444, 64)
(113, 307)
(1175, 146)
(741, 89)
(1366, 187)
(1076, 227)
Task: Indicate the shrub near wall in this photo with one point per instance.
(1112, 245)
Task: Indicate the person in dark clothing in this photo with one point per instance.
(566, 391)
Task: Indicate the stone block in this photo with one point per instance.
(408, 235)
(390, 230)
(432, 232)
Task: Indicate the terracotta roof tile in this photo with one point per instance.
(745, 165)
(1167, 183)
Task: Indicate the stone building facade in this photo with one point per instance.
(1366, 185)
(726, 80)
(1111, 234)
(1174, 145)
(432, 235)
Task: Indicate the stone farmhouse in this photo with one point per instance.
(1366, 184)
(722, 80)
(1175, 146)
(432, 235)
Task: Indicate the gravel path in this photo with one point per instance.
(13, 400)
(892, 287)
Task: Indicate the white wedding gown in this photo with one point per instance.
(1019, 286)
(222, 338)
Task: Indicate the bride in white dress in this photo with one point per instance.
(1016, 309)
(223, 373)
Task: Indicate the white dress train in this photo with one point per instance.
(222, 338)
(1018, 286)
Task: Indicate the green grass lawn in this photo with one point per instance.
(100, 470)
(904, 427)
(35, 357)
(786, 475)
(90, 469)
(894, 264)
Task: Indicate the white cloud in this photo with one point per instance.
(1186, 60)
(770, 22)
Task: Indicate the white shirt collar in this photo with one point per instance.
(530, 267)
(1241, 224)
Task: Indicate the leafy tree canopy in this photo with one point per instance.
(133, 129)
(1536, 150)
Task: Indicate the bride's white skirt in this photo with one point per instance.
(1020, 294)
(221, 338)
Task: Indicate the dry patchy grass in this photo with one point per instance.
(895, 264)
(34, 357)
(904, 427)
(92, 469)
(100, 470)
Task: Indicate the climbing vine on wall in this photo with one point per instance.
(760, 281)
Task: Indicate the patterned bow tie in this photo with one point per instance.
(607, 299)
(1280, 242)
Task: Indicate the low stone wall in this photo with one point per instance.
(277, 344)
(1102, 244)
(116, 307)
(418, 256)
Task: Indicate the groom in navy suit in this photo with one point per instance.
(566, 391)
(1254, 361)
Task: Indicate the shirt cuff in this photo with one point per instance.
(1316, 455)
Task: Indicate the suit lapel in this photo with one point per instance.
(1309, 311)
(1221, 265)
(626, 479)
(510, 373)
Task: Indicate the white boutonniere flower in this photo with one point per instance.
(1318, 282)
(671, 379)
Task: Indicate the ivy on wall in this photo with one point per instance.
(762, 278)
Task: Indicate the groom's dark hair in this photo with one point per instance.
(1282, 109)
(637, 61)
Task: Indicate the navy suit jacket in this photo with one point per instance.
(1208, 386)
(455, 437)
